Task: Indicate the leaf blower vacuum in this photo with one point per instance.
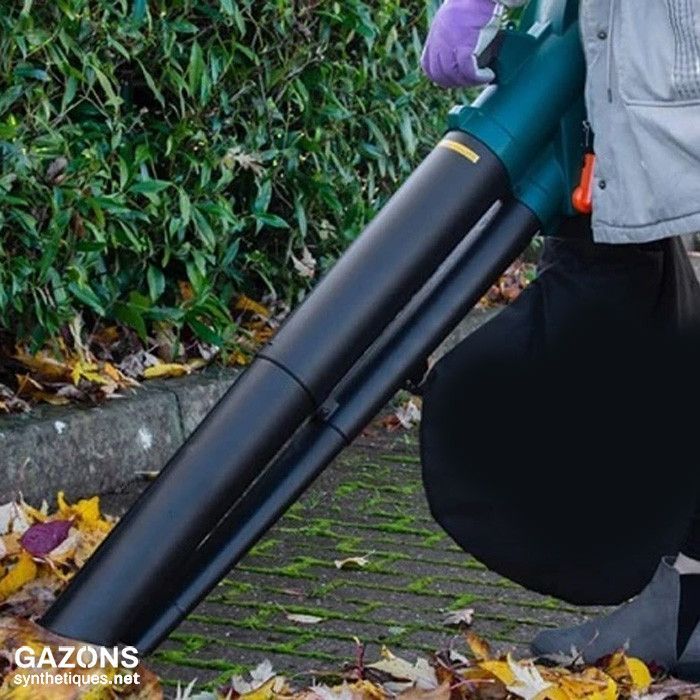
(510, 162)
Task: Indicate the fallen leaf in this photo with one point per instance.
(442, 692)
(244, 303)
(85, 513)
(268, 691)
(166, 370)
(352, 562)
(403, 674)
(45, 366)
(238, 358)
(134, 365)
(67, 549)
(588, 684)
(479, 647)
(409, 414)
(304, 619)
(42, 538)
(24, 571)
(262, 673)
(528, 682)
(89, 371)
(459, 618)
(631, 674)
(7, 513)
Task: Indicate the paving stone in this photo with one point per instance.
(416, 575)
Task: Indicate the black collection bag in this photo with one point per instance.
(556, 440)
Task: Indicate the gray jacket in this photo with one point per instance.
(643, 97)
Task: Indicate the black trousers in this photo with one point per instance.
(556, 440)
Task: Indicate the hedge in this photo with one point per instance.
(160, 158)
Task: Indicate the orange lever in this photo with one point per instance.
(582, 198)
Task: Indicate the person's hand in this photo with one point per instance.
(461, 30)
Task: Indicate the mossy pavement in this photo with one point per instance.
(369, 503)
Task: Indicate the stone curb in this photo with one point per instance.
(84, 451)
(95, 450)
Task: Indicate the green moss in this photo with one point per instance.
(401, 458)
(348, 488)
(264, 546)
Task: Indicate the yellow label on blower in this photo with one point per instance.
(460, 148)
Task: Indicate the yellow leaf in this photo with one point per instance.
(238, 358)
(591, 684)
(479, 647)
(639, 673)
(24, 571)
(86, 512)
(366, 690)
(88, 371)
(268, 691)
(244, 303)
(499, 669)
(166, 370)
(196, 363)
(33, 513)
(631, 674)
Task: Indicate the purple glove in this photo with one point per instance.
(461, 30)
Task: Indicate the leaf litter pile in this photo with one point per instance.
(452, 675)
(90, 366)
(41, 549)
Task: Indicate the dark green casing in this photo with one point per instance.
(534, 118)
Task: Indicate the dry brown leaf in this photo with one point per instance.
(44, 366)
(186, 291)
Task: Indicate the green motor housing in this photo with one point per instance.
(538, 99)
